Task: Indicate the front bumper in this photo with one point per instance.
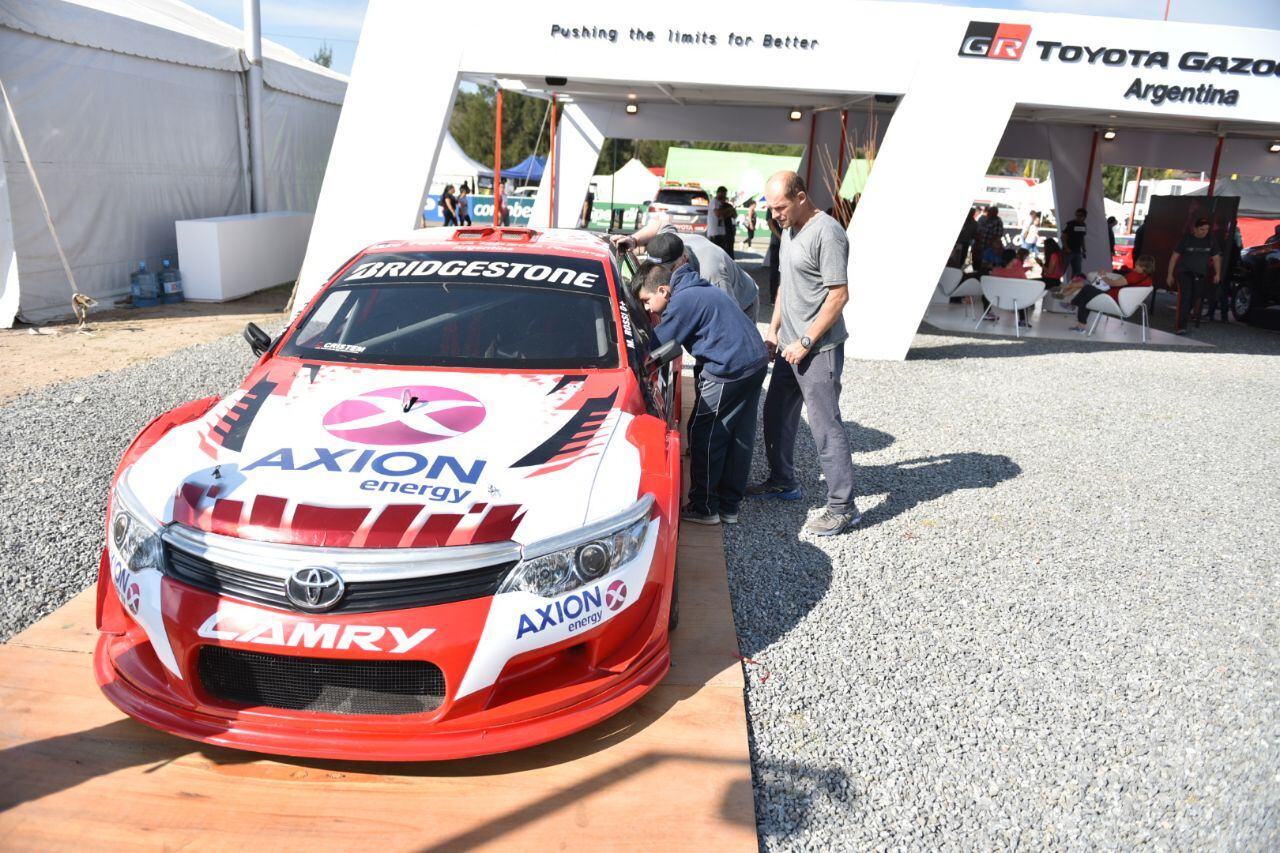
(506, 686)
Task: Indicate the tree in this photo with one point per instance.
(323, 55)
(525, 125)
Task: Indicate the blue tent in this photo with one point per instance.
(529, 169)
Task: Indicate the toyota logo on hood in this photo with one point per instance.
(314, 589)
(405, 414)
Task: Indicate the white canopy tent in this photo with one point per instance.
(453, 166)
(134, 113)
(632, 184)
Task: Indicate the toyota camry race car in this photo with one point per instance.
(437, 520)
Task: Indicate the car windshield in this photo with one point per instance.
(464, 310)
(685, 197)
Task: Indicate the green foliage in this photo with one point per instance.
(525, 125)
(653, 152)
(323, 55)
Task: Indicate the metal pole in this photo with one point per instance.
(497, 160)
(1137, 188)
(808, 166)
(253, 55)
(1217, 157)
(551, 156)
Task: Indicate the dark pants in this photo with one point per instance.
(722, 433)
(815, 383)
(1075, 261)
(1219, 299)
(1190, 292)
(751, 235)
(1082, 299)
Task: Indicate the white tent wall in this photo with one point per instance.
(123, 146)
(297, 132)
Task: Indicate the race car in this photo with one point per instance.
(437, 520)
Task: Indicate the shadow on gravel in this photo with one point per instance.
(786, 792)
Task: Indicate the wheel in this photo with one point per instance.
(673, 620)
(1243, 301)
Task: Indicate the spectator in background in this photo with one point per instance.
(720, 225)
(988, 242)
(1051, 267)
(1073, 234)
(964, 238)
(449, 206)
(1140, 276)
(1111, 234)
(1014, 265)
(465, 188)
(1191, 264)
(464, 205)
(584, 218)
(751, 221)
(1030, 236)
(775, 247)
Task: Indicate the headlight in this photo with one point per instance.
(556, 566)
(135, 535)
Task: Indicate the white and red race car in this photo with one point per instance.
(437, 520)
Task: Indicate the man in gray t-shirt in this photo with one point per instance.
(806, 337)
(710, 260)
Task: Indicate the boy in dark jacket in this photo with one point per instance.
(708, 323)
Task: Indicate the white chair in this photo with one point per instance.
(1122, 304)
(1010, 294)
(951, 286)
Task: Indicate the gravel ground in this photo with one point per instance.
(1056, 626)
(60, 448)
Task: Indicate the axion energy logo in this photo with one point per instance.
(405, 414)
(995, 41)
(616, 595)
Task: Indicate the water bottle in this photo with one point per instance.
(147, 292)
(170, 284)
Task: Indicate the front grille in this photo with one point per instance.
(359, 597)
(380, 687)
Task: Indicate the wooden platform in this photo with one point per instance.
(671, 772)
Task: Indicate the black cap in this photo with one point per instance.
(1201, 222)
(665, 249)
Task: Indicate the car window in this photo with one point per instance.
(554, 315)
(684, 197)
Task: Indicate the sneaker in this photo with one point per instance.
(729, 517)
(690, 514)
(830, 523)
(769, 489)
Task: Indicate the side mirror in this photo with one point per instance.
(259, 341)
(665, 354)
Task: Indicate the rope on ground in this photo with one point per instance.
(80, 303)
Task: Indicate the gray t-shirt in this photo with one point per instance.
(810, 261)
(715, 265)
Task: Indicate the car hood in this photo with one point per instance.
(380, 458)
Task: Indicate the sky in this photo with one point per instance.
(304, 25)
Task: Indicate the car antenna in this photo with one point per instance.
(407, 400)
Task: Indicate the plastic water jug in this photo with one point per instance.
(143, 287)
(170, 284)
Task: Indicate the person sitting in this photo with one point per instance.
(1014, 265)
(1052, 266)
(1112, 283)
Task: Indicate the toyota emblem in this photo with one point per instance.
(314, 589)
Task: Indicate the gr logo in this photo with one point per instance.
(995, 41)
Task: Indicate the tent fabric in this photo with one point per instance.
(125, 144)
(528, 169)
(1259, 198)
(454, 166)
(632, 184)
(169, 31)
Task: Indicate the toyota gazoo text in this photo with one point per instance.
(437, 520)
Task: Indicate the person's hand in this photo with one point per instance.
(623, 242)
(794, 352)
(771, 343)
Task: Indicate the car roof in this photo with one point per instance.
(484, 238)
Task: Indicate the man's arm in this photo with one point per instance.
(775, 324)
(640, 238)
(1217, 267)
(1173, 265)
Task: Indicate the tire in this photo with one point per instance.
(1243, 301)
(673, 619)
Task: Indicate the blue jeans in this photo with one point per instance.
(722, 433)
(1075, 260)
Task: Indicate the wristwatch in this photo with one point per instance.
(806, 342)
